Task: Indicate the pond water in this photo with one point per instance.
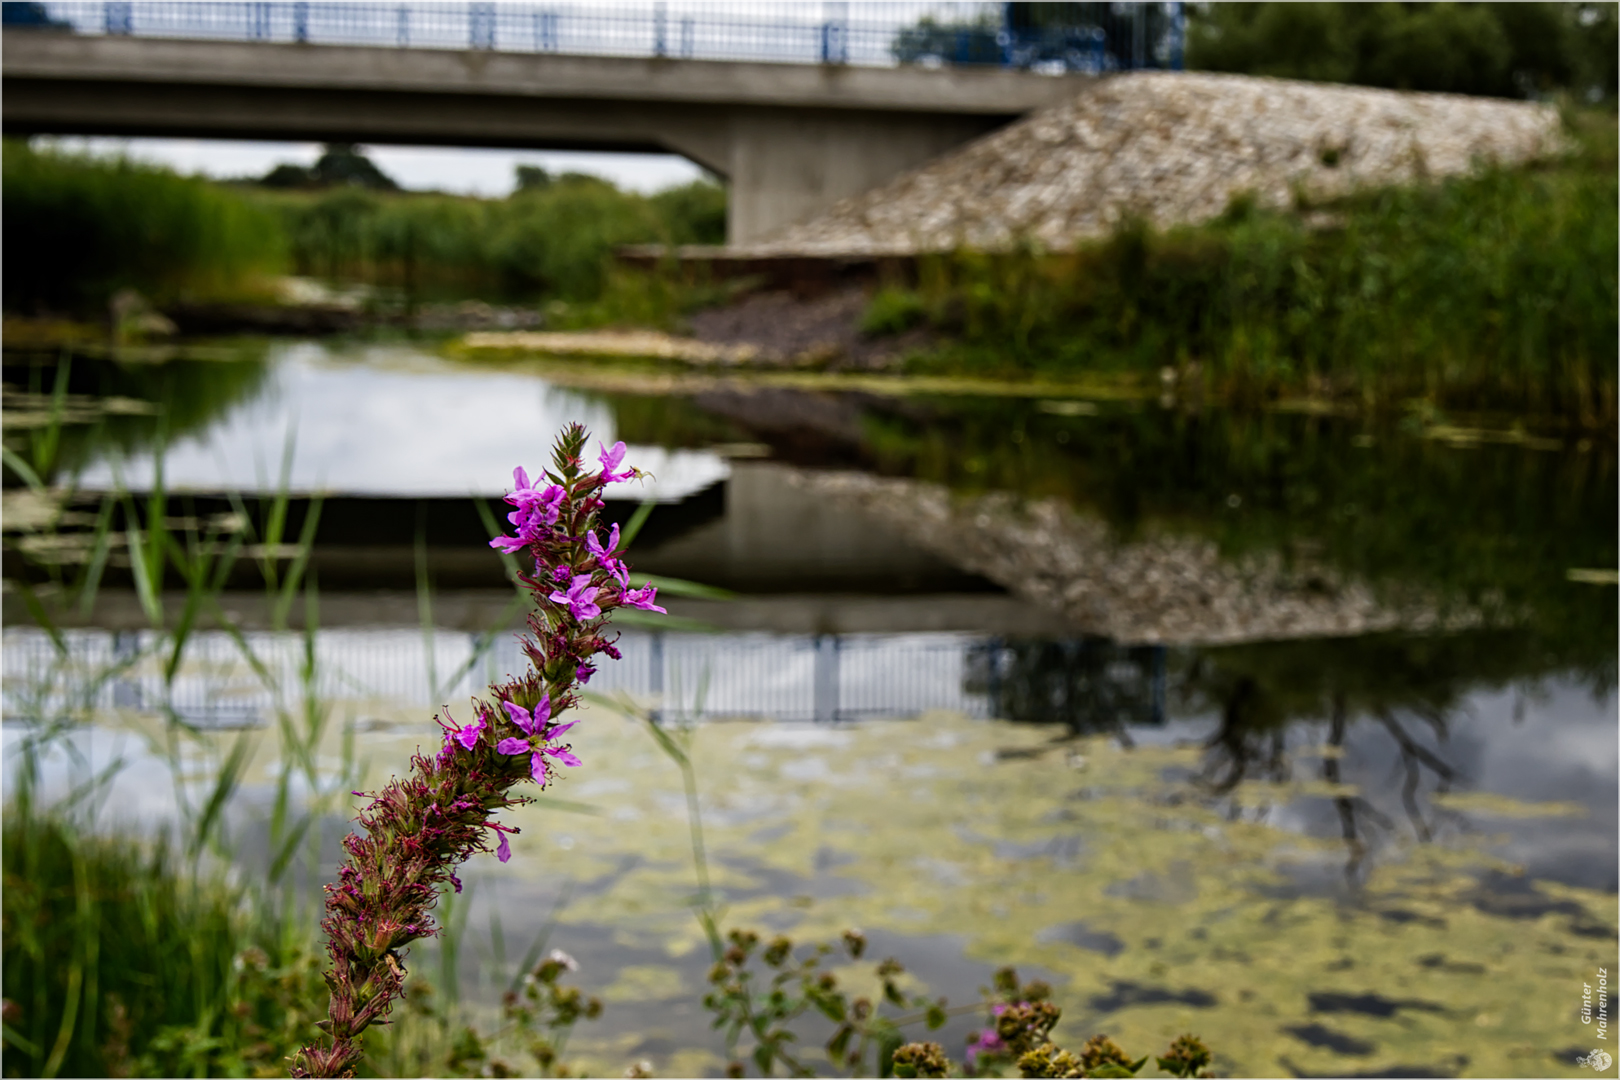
(1292, 731)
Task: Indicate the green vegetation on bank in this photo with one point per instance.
(116, 965)
(1492, 291)
(553, 239)
(80, 229)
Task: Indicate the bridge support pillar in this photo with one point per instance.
(785, 166)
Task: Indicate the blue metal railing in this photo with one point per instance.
(1098, 38)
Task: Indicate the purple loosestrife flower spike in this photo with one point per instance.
(419, 828)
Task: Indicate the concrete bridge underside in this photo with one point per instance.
(789, 139)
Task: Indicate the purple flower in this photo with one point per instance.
(531, 530)
(536, 511)
(584, 672)
(535, 725)
(531, 497)
(604, 555)
(466, 736)
(643, 598)
(580, 598)
(610, 459)
(561, 573)
(985, 1042)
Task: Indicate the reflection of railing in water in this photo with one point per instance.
(1089, 685)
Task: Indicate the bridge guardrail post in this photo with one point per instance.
(301, 22)
(834, 42)
(481, 26)
(119, 17)
(826, 683)
(403, 29)
(660, 18)
(545, 31)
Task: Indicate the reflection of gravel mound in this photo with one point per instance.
(1161, 589)
(1174, 148)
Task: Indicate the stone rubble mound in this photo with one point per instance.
(1172, 148)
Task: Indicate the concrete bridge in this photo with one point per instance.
(790, 138)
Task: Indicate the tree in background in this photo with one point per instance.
(340, 165)
(1494, 49)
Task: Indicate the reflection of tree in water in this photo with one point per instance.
(1396, 684)
(1269, 698)
(1091, 685)
(189, 394)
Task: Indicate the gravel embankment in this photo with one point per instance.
(1174, 148)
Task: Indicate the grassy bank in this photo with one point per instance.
(79, 229)
(1493, 291)
(553, 241)
(117, 965)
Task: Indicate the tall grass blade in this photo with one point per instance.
(138, 569)
(50, 438)
(424, 600)
(694, 589)
(97, 564)
(37, 612)
(225, 784)
(508, 560)
(295, 572)
(276, 525)
(76, 966)
(287, 848)
(637, 520)
(485, 642)
(538, 946)
(16, 464)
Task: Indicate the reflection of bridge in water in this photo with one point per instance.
(1089, 684)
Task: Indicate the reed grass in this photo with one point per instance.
(553, 242)
(78, 229)
(117, 964)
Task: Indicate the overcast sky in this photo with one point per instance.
(442, 168)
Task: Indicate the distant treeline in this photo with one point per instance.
(1495, 49)
(80, 229)
(1496, 290)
